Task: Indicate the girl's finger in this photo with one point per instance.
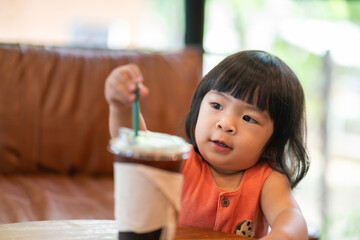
(135, 73)
(131, 75)
(143, 90)
(121, 92)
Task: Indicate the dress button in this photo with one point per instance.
(225, 202)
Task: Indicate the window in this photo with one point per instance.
(117, 24)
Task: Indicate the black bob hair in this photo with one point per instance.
(264, 80)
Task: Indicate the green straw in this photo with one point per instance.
(135, 113)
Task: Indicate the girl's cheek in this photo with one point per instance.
(196, 133)
(199, 135)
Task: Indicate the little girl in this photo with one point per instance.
(247, 127)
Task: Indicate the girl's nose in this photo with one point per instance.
(226, 126)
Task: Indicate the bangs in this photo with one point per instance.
(249, 83)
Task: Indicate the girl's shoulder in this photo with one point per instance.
(277, 178)
(260, 169)
(255, 176)
(269, 173)
(274, 175)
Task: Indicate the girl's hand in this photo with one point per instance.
(120, 87)
(121, 84)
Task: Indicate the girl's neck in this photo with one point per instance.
(226, 180)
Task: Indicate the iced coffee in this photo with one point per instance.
(147, 183)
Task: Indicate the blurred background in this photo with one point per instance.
(319, 39)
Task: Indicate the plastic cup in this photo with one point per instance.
(155, 150)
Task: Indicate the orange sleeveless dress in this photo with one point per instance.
(204, 204)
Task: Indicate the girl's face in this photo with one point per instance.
(231, 134)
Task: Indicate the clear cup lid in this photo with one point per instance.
(149, 145)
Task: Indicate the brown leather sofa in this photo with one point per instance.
(54, 162)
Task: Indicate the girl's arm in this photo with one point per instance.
(120, 87)
(281, 210)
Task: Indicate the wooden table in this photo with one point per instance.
(91, 230)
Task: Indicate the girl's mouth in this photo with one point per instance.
(220, 146)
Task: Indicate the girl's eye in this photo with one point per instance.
(216, 106)
(249, 119)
